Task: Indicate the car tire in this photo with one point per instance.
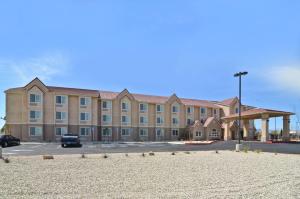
(5, 144)
(63, 146)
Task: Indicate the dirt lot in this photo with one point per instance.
(203, 174)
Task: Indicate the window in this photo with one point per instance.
(60, 115)
(215, 111)
(189, 121)
(159, 120)
(143, 132)
(106, 104)
(106, 118)
(125, 119)
(198, 134)
(35, 131)
(143, 120)
(60, 99)
(143, 107)
(236, 110)
(190, 110)
(125, 131)
(175, 120)
(125, 106)
(214, 133)
(106, 132)
(59, 131)
(159, 108)
(35, 98)
(175, 109)
(84, 116)
(175, 132)
(35, 114)
(159, 132)
(203, 111)
(84, 101)
(85, 131)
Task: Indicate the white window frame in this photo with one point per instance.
(108, 104)
(108, 117)
(145, 119)
(63, 130)
(176, 109)
(145, 107)
(126, 130)
(35, 133)
(37, 98)
(126, 107)
(161, 108)
(63, 115)
(191, 108)
(86, 101)
(198, 134)
(205, 111)
(187, 121)
(87, 131)
(37, 114)
(63, 99)
(214, 133)
(86, 116)
(143, 132)
(161, 120)
(175, 130)
(176, 120)
(104, 134)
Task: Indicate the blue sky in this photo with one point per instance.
(191, 48)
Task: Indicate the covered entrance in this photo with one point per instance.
(257, 113)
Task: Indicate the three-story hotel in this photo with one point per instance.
(37, 112)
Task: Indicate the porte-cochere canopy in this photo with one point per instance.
(258, 113)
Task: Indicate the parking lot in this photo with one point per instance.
(33, 148)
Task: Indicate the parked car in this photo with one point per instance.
(9, 140)
(70, 140)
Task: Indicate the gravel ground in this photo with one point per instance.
(202, 174)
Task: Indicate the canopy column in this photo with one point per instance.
(264, 128)
(246, 129)
(227, 134)
(286, 128)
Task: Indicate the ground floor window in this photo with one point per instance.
(106, 132)
(214, 133)
(35, 131)
(198, 133)
(159, 132)
(125, 131)
(59, 131)
(143, 132)
(175, 132)
(85, 131)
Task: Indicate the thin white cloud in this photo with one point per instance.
(285, 78)
(45, 67)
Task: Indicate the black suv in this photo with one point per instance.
(8, 140)
(70, 140)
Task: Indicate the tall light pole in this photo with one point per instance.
(239, 75)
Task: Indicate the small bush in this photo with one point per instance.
(83, 155)
(143, 154)
(105, 156)
(48, 157)
(126, 154)
(173, 153)
(187, 152)
(6, 160)
(246, 149)
(258, 150)
(151, 153)
(217, 151)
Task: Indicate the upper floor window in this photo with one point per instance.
(84, 116)
(84, 101)
(159, 120)
(125, 119)
(203, 111)
(159, 108)
(175, 120)
(35, 98)
(125, 106)
(175, 109)
(143, 107)
(35, 114)
(189, 121)
(85, 131)
(106, 104)
(60, 115)
(60, 99)
(215, 111)
(106, 118)
(143, 120)
(190, 109)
